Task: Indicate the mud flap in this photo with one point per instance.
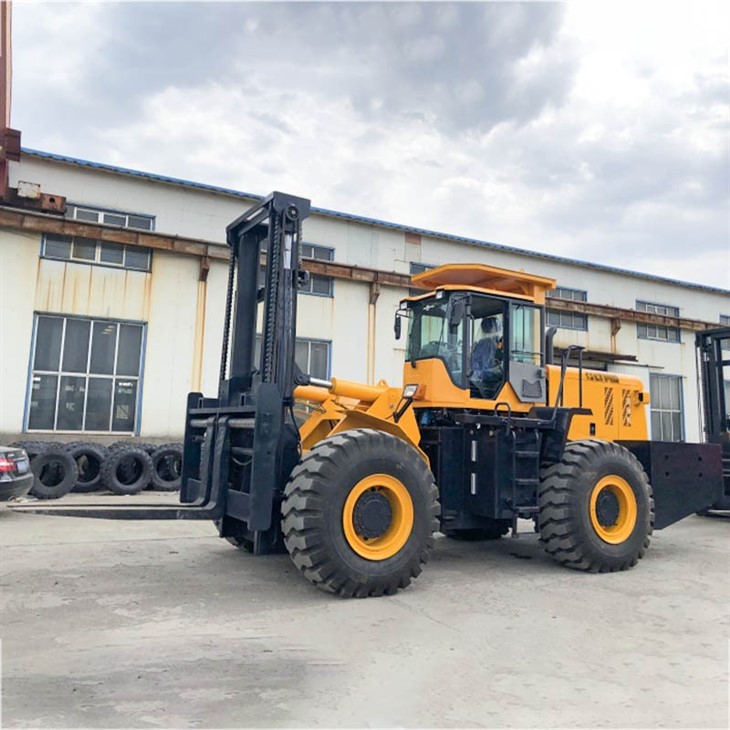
(685, 478)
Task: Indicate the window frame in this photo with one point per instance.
(111, 211)
(576, 321)
(653, 409)
(258, 339)
(330, 279)
(97, 253)
(60, 373)
(673, 334)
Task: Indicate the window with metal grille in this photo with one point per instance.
(666, 408)
(90, 251)
(725, 344)
(85, 374)
(568, 320)
(312, 356)
(416, 268)
(657, 331)
(318, 285)
(110, 217)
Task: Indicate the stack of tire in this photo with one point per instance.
(122, 468)
(129, 468)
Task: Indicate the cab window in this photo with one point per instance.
(525, 334)
(430, 336)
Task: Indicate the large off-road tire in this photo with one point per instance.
(167, 468)
(149, 448)
(89, 458)
(126, 470)
(492, 532)
(55, 473)
(596, 508)
(33, 448)
(359, 514)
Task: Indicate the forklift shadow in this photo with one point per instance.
(503, 552)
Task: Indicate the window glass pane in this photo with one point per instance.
(305, 250)
(103, 346)
(125, 398)
(84, 248)
(42, 402)
(673, 388)
(656, 426)
(318, 368)
(87, 215)
(76, 346)
(71, 403)
(677, 426)
(321, 284)
(138, 258)
(48, 343)
(301, 355)
(113, 219)
(667, 426)
(57, 247)
(325, 254)
(137, 221)
(98, 404)
(553, 319)
(112, 253)
(525, 334)
(130, 345)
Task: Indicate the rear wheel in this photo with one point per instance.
(596, 508)
(359, 514)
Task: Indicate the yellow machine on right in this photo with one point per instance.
(485, 430)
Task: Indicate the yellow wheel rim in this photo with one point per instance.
(396, 534)
(613, 509)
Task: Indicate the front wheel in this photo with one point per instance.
(596, 507)
(359, 514)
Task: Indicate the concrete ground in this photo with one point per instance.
(161, 624)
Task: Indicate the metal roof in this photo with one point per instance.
(153, 177)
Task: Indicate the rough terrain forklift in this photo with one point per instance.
(356, 489)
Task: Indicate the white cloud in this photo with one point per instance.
(602, 134)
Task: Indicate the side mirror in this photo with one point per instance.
(456, 314)
(397, 326)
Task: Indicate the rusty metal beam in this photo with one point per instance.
(42, 223)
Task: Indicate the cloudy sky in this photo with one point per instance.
(594, 130)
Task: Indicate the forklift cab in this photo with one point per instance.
(481, 341)
(476, 338)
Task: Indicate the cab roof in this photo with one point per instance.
(491, 279)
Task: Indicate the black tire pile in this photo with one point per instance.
(123, 468)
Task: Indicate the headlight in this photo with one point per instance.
(409, 391)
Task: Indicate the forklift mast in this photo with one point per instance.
(240, 447)
(713, 371)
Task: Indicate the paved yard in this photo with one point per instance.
(161, 624)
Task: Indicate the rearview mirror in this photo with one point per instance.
(456, 314)
(397, 326)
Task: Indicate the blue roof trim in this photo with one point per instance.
(370, 221)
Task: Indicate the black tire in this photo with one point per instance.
(167, 468)
(55, 473)
(89, 458)
(315, 500)
(33, 448)
(570, 527)
(492, 532)
(126, 470)
(149, 448)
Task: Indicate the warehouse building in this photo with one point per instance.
(112, 305)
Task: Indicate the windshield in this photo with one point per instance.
(429, 336)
